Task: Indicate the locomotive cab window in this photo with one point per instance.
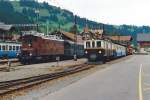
(87, 44)
(28, 40)
(93, 44)
(98, 43)
(3, 48)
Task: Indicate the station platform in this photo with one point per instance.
(119, 81)
(25, 71)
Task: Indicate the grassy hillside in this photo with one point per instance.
(23, 12)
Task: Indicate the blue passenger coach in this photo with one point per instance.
(9, 49)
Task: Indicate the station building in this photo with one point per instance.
(124, 40)
(6, 32)
(72, 37)
(92, 34)
(143, 42)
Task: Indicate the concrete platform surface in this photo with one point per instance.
(119, 81)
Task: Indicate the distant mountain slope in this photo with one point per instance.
(23, 12)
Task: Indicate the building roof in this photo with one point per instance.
(121, 38)
(86, 30)
(71, 36)
(5, 27)
(143, 37)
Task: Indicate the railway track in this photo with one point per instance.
(13, 85)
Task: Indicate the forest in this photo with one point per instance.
(24, 12)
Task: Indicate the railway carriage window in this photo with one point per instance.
(87, 44)
(10, 47)
(3, 48)
(98, 43)
(17, 48)
(14, 48)
(109, 45)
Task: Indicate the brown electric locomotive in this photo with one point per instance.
(37, 46)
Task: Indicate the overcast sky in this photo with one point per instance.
(132, 12)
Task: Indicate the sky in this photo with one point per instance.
(117, 12)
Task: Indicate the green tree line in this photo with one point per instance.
(23, 12)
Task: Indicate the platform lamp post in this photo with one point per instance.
(37, 18)
(75, 38)
(47, 27)
(104, 33)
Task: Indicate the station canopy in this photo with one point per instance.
(121, 38)
(4, 27)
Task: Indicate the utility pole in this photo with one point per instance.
(47, 28)
(37, 19)
(59, 27)
(119, 38)
(103, 27)
(37, 16)
(75, 38)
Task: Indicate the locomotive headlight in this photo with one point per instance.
(86, 52)
(30, 54)
(99, 51)
(17, 54)
(29, 45)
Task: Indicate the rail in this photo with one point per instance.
(10, 86)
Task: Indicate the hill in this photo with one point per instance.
(23, 12)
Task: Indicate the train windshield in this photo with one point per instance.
(87, 44)
(93, 44)
(98, 43)
(28, 39)
(3, 48)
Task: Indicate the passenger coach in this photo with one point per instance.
(9, 49)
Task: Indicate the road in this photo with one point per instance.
(120, 81)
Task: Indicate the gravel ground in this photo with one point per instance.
(40, 91)
(36, 69)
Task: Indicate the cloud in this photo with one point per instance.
(135, 12)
